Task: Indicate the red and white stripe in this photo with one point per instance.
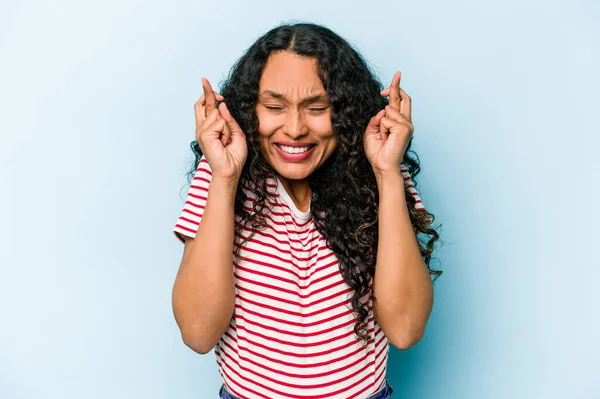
(292, 332)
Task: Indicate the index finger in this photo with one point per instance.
(209, 95)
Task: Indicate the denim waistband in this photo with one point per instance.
(383, 393)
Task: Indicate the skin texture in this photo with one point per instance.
(293, 107)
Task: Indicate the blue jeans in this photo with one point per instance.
(383, 393)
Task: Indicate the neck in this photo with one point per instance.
(299, 192)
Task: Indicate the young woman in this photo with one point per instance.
(301, 260)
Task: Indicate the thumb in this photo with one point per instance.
(234, 128)
(373, 126)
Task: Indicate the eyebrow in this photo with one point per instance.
(317, 97)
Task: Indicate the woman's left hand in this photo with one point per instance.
(388, 134)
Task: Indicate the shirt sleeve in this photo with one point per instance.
(193, 208)
(411, 187)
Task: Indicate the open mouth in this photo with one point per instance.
(294, 150)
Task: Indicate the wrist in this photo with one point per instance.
(390, 184)
(226, 184)
(388, 175)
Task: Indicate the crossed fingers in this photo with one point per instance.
(207, 102)
(397, 115)
(399, 100)
(207, 112)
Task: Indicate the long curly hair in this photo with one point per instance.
(345, 200)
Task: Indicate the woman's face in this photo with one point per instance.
(294, 116)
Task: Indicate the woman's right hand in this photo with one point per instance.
(219, 136)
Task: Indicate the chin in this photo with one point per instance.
(294, 171)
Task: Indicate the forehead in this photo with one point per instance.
(289, 72)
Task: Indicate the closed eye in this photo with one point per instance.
(272, 108)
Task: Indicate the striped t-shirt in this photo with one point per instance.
(291, 335)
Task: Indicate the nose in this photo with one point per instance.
(294, 124)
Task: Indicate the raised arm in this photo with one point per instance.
(203, 292)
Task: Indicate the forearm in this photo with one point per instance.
(401, 285)
(203, 293)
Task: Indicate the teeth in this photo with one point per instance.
(294, 150)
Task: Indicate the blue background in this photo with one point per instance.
(96, 103)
